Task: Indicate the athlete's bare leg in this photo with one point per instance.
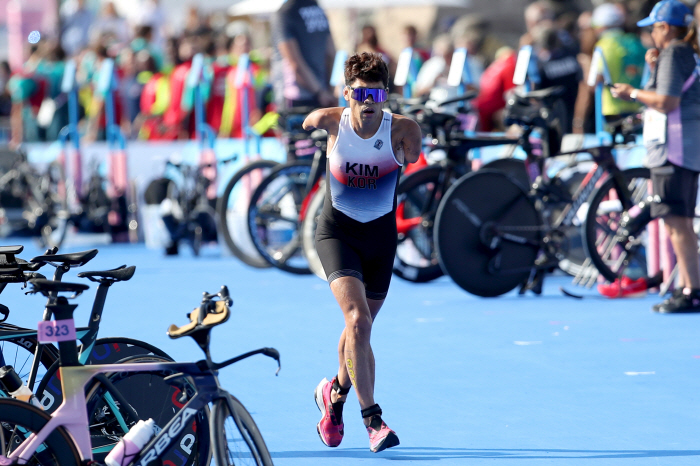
(343, 377)
(354, 350)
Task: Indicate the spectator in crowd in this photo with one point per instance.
(557, 66)
(496, 81)
(672, 138)
(537, 15)
(303, 55)
(109, 23)
(432, 77)
(5, 98)
(623, 54)
(474, 32)
(584, 118)
(409, 36)
(369, 42)
(150, 14)
(143, 40)
(76, 21)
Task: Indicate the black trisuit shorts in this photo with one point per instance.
(348, 248)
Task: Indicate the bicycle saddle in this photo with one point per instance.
(120, 274)
(11, 250)
(218, 315)
(74, 259)
(43, 286)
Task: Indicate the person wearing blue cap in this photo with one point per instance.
(672, 140)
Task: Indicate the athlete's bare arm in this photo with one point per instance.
(406, 139)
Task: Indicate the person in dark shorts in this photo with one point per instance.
(303, 55)
(356, 233)
(672, 139)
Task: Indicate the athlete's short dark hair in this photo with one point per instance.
(368, 67)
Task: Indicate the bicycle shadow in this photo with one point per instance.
(437, 454)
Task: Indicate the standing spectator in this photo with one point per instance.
(432, 77)
(109, 23)
(150, 14)
(623, 53)
(672, 145)
(303, 55)
(558, 66)
(474, 32)
(410, 39)
(76, 21)
(495, 82)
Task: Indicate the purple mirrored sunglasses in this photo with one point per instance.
(361, 93)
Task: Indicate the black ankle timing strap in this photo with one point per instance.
(340, 390)
(372, 411)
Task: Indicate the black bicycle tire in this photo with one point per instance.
(41, 388)
(408, 272)
(514, 167)
(257, 262)
(96, 391)
(220, 412)
(33, 419)
(308, 231)
(281, 170)
(49, 354)
(589, 233)
(460, 245)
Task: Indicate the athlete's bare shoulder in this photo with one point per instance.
(406, 137)
(323, 118)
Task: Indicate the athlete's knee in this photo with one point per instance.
(359, 324)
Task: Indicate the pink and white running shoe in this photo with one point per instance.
(380, 436)
(328, 428)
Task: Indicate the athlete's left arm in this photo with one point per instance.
(410, 142)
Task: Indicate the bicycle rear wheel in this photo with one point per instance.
(18, 420)
(110, 350)
(616, 239)
(232, 210)
(308, 231)
(274, 216)
(419, 195)
(487, 233)
(514, 167)
(151, 397)
(237, 443)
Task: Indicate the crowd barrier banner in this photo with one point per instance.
(338, 75)
(406, 72)
(526, 69)
(599, 76)
(69, 135)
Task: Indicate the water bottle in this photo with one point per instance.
(14, 386)
(132, 443)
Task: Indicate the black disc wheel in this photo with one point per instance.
(19, 420)
(274, 216)
(308, 231)
(232, 211)
(615, 238)
(237, 439)
(514, 167)
(108, 350)
(487, 233)
(418, 197)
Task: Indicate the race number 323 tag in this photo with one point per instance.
(55, 331)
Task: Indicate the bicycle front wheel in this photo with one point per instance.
(232, 211)
(308, 231)
(19, 420)
(616, 239)
(419, 195)
(237, 443)
(274, 216)
(487, 233)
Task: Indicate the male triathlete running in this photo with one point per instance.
(356, 233)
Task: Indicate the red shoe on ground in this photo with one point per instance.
(628, 288)
(329, 428)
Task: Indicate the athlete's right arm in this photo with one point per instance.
(323, 118)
